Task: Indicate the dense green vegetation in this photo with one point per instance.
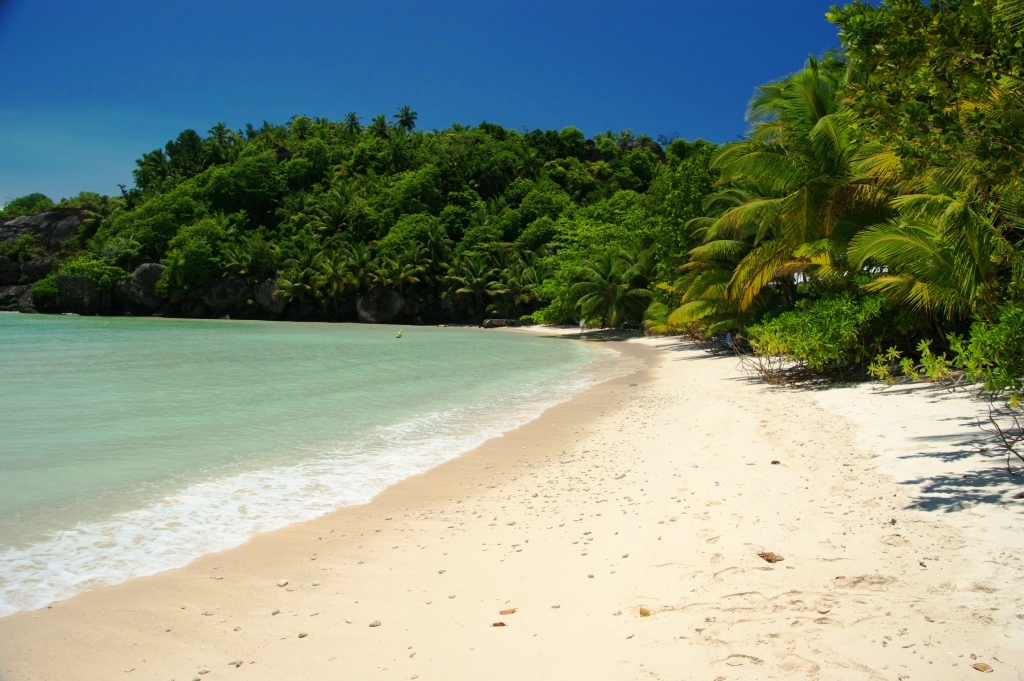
(874, 210)
(463, 223)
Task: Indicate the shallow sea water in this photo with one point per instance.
(132, 446)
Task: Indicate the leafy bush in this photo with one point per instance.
(830, 333)
(192, 260)
(27, 205)
(25, 247)
(995, 353)
(44, 292)
(99, 270)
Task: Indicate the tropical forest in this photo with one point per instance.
(869, 223)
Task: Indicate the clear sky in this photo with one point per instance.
(88, 86)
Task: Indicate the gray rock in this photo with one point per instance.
(26, 301)
(266, 293)
(50, 228)
(379, 305)
(139, 290)
(80, 294)
(11, 297)
(226, 294)
(14, 272)
(496, 323)
(10, 271)
(34, 270)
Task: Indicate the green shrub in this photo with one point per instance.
(829, 333)
(994, 354)
(29, 204)
(99, 270)
(25, 247)
(44, 293)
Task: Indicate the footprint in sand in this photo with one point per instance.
(794, 663)
(740, 660)
(726, 572)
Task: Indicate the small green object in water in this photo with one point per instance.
(398, 335)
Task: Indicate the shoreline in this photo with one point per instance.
(654, 490)
(125, 536)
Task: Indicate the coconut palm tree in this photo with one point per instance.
(301, 281)
(472, 278)
(361, 263)
(516, 288)
(946, 252)
(608, 289)
(334, 277)
(803, 197)
(396, 274)
(379, 126)
(352, 123)
(406, 118)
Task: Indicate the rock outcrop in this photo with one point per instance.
(16, 299)
(266, 293)
(80, 294)
(16, 272)
(10, 271)
(497, 323)
(50, 228)
(379, 305)
(227, 294)
(138, 292)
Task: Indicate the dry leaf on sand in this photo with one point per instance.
(509, 611)
(498, 624)
(771, 557)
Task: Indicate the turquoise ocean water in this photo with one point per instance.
(132, 446)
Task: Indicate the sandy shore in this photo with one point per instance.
(903, 554)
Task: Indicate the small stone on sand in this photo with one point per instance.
(375, 623)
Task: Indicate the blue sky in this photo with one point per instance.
(88, 86)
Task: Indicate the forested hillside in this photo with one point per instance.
(459, 223)
(872, 218)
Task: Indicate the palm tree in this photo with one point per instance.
(301, 281)
(352, 123)
(379, 126)
(607, 289)
(396, 274)
(400, 149)
(152, 170)
(235, 259)
(406, 118)
(361, 264)
(221, 146)
(331, 216)
(944, 253)
(333, 276)
(803, 199)
(96, 216)
(517, 287)
(472, 278)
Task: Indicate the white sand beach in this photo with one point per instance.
(616, 537)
